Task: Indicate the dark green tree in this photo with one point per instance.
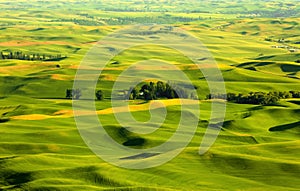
(99, 95)
(76, 93)
(133, 93)
(161, 89)
(69, 94)
(73, 93)
(231, 96)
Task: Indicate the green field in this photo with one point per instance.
(256, 46)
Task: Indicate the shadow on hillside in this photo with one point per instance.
(289, 68)
(15, 179)
(3, 120)
(136, 141)
(140, 156)
(295, 102)
(285, 127)
(255, 64)
(264, 57)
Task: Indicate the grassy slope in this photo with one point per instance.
(48, 153)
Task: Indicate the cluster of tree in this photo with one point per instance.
(99, 95)
(278, 9)
(84, 22)
(295, 94)
(152, 91)
(280, 40)
(73, 93)
(163, 19)
(31, 57)
(86, 15)
(157, 8)
(277, 13)
(76, 94)
(259, 98)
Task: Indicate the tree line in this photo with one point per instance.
(163, 19)
(76, 94)
(30, 57)
(258, 98)
(153, 91)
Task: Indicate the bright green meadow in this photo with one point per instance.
(258, 148)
